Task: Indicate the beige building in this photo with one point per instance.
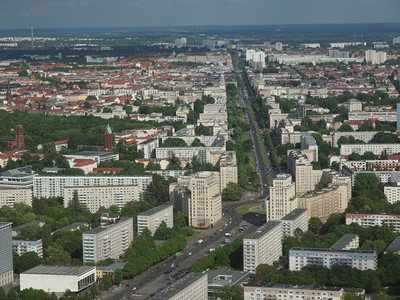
(228, 169)
(153, 218)
(198, 196)
(321, 204)
(277, 292)
(95, 197)
(11, 196)
(193, 286)
(344, 186)
(109, 241)
(282, 197)
(264, 246)
(300, 167)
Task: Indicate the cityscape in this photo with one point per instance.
(204, 160)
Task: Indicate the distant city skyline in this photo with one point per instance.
(20, 14)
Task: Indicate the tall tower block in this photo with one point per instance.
(19, 137)
(108, 139)
(32, 38)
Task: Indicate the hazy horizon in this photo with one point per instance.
(52, 14)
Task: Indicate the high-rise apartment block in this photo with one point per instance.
(53, 186)
(358, 259)
(228, 170)
(198, 196)
(95, 197)
(152, 218)
(10, 196)
(282, 197)
(6, 254)
(375, 57)
(109, 241)
(296, 219)
(264, 246)
(278, 46)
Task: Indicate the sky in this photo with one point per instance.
(19, 14)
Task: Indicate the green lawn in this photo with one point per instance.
(270, 180)
(245, 209)
(264, 154)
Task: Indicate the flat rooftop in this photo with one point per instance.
(103, 228)
(91, 153)
(260, 231)
(59, 270)
(294, 214)
(155, 210)
(333, 250)
(178, 286)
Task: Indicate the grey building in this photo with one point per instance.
(296, 219)
(154, 217)
(109, 241)
(193, 286)
(6, 256)
(347, 242)
(394, 246)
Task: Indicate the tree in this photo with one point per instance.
(26, 261)
(118, 276)
(3, 295)
(58, 256)
(174, 164)
(174, 142)
(369, 155)
(107, 282)
(196, 143)
(12, 294)
(315, 225)
(94, 290)
(162, 232)
(354, 156)
(232, 192)
(202, 130)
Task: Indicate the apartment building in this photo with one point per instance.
(321, 204)
(228, 169)
(300, 167)
(53, 186)
(394, 246)
(22, 246)
(95, 197)
(377, 149)
(264, 246)
(343, 183)
(375, 57)
(383, 116)
(347, 242)
(364, 136)
(152, 218)
(198, 196)
(282, 197)
(11, 196)
(308, 142)
(392, 221)
(147, 147)
(207, 140)
(187, 153)
(6, 254)
(282, 291)
(392, 193)
(109, 241)
(193, 286)
(296, 219)
(358, 259)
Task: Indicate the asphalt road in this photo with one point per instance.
(168, 271)
(162, 274)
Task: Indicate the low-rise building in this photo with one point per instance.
(282, 291)
(392, 221)
(296, 219)
(193, 286)
(358, 259)
(22, 246)
(152, 218)
(58, 279)
(394, 246)
(264, 246)
(347, 242)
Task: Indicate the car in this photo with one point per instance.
(190, 253)
(134, 288)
